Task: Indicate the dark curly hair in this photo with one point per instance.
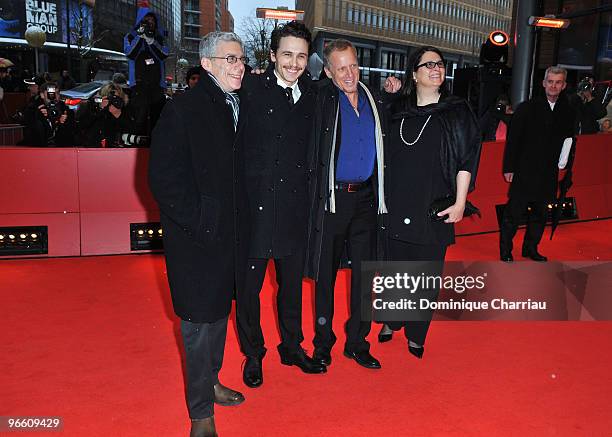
(292, 28)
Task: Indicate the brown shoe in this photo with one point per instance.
(226, 396)
(203, 427)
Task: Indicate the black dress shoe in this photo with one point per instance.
(506, 257)
(226, 396)
(303, 361)
(385, 334)
(533, 254)
(363, 358)
(322, 356)
(203, 427)
(416, 351)
(252, 374)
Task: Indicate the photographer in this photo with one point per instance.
(588, 108)
(106, 118)
(48, 121)
(144, 46)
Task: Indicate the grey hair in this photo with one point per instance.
(337, 45)
(209, 43)
(555, 70)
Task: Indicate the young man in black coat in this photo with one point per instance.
(195, 175)
(538, 131)
(278, 158)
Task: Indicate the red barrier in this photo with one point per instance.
(113, 192)
(592, 186)
(89, 197)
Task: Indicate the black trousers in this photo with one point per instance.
(416, 330)
(536, 221)
(353, 225)
(289, 272)
(204, 346)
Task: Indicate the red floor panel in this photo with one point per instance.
(94, 340)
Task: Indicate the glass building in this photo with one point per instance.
(385, 31)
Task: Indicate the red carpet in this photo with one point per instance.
(94, 340)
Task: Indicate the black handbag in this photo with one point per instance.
(445, 202)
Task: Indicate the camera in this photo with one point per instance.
(51, 93)
(135, 140)
(146, 28)
(585, 85)
(53, 111)
(115, 100)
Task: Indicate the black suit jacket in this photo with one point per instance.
(278, 155)
(195, 173)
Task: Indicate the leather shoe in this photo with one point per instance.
(300, 359)
(203, 427)
(533, 254)
(226, 396)
(363, 358)
(385, 334)
(252, 374)
(322, 356)
(416, 351)
(506, 257)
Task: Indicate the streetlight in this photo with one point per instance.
(36, 37)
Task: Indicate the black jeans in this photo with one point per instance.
(204, 346)
(536, 221)
(353, 225)
(289, 272)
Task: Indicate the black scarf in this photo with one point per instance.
(407, 109)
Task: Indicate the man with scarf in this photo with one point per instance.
(195, 174)
(349, 194)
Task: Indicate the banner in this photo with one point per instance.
(16, 16)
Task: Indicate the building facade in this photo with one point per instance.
(200, 17)
(386, 31)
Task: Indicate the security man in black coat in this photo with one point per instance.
(278, 158)
(535, 139)
(195, 174)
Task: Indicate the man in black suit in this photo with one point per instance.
(195, 175)
(540, 127)
(349, 196)
(278, 158)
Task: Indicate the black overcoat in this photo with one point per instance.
(327, 104)
(278, 156)
(195, 174)
(533, 146)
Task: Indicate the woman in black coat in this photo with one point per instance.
(432, 150)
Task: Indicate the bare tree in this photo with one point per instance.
(82, 34)
(256, 34)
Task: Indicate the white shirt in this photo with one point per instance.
(294, 88)
(552, 105)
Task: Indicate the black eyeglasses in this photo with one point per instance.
(430, 65)
(232, 59)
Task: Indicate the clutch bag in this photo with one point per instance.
(445, 202)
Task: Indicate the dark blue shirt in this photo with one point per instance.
(357, 140)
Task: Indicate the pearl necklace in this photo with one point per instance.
(418, 137)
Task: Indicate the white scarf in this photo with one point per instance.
(380, 161)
